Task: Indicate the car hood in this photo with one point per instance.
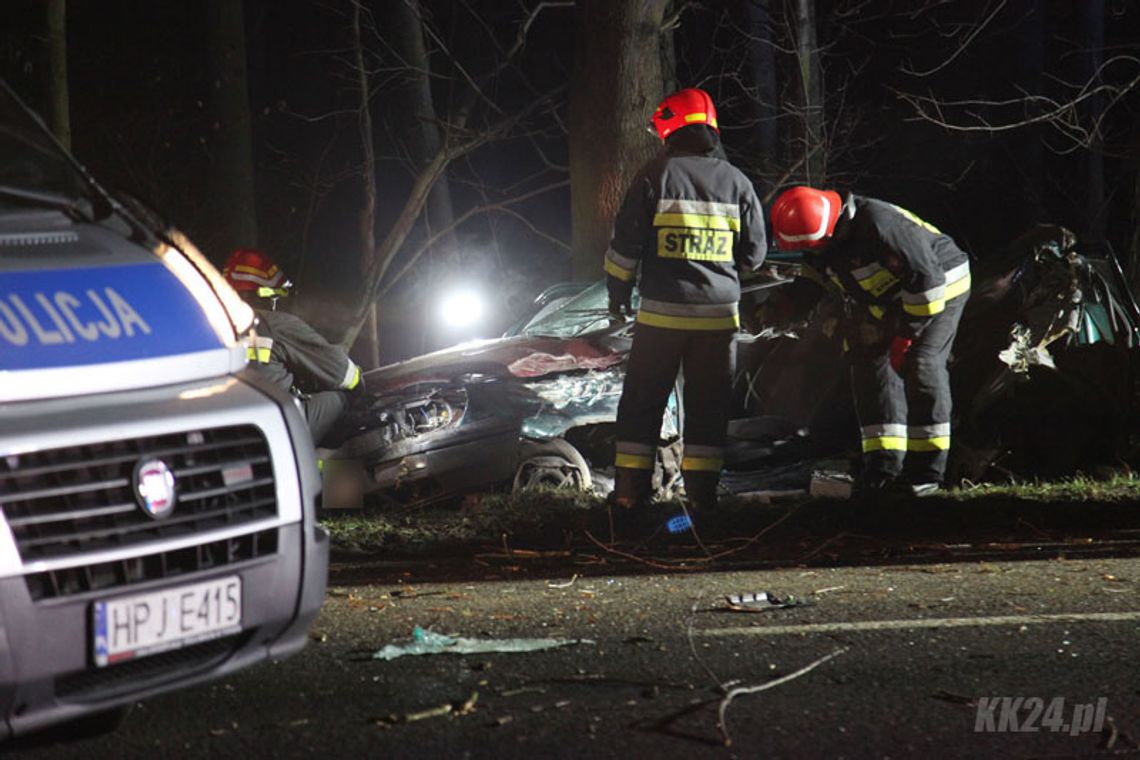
(516, 356)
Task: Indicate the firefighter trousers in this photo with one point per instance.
(706, 360)
(322, 410)
(905, 419)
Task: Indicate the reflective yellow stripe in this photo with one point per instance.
(352, 378)
(958, 287)
(633, 461)
(625, 275)
(876, 311)
(702, 464)
(259, 355)
(268, 275)
(879, 282)
(697, 221)
(884, 443)
(688, 323)
(938, 443)
(925, 309)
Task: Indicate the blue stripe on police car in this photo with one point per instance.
(65, 317)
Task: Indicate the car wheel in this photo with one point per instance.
(550, 464)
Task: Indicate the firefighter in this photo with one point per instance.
(289, 352)
(689, 223)
(905, 285)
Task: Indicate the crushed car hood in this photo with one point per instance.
(518, 356)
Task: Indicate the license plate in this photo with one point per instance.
(144, 624)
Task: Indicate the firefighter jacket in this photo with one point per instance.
(297, 358)
(691, 221)
(889, 264)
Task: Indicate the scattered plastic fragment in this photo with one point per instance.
(568, 584)
(679, 524)
(763, 602)
(429, 642)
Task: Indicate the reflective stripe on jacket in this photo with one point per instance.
(892, 262)
(295, 356)
(689, 224)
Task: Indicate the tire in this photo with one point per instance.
(551, 464)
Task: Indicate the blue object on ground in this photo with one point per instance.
(679, 524)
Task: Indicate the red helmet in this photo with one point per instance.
(682, 108)
(249, 269)
(804, 217)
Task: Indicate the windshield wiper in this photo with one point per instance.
(78, 206)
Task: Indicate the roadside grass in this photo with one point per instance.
(541, 516)
(1118, 488)
(554, 519)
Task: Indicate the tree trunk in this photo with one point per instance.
(617, 82)
(763, 145)
(368, 176)
(1028, 145)
(417, 126)
(60, 107)
(1091, 39)
(232, 208)
(807, 143)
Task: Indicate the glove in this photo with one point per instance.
(897, 354)
(621, 298)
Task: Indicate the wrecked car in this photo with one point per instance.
(1044, 373)
(1044, 378)
(534, 407)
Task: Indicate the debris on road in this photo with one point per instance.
(429, 642)
(763, 602)
(449, 708)
(567, 584)
(733, 693)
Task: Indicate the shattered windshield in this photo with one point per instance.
(33, 169)
(585, 312)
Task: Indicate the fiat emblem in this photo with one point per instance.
(154, 488)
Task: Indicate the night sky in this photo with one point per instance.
(138, 88)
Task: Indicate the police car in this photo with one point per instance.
(156, 501)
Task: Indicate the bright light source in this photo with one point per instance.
(461, 309)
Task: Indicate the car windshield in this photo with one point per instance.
(585, 312)
(33, 168)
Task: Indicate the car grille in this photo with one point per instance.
(163, 565)
(103, 683)
(72, 501)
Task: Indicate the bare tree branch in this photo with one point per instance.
(1062, 115)
(502, 207)
(973, 34)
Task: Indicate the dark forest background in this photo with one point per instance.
(385, 150)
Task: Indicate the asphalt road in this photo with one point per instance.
(922, 657)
